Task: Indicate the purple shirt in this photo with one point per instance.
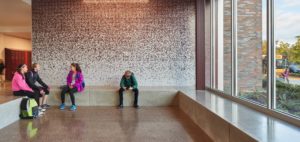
(78, 80)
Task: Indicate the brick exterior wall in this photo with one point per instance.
(249, 45)
(227, 46)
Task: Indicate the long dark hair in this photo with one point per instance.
(77, 67)
(19, 69)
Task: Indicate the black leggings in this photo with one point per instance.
(28, 94)
(69, 90)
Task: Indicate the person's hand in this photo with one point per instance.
(130, 88)
(124, 88)
(71, 86)
(42, 92)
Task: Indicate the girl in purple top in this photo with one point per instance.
(75, 84)
(285, 75)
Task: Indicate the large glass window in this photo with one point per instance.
(237, 50)
(251, 51)
(222, 46)
(227, 45)
(287, 37)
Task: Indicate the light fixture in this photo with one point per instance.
(27, 2)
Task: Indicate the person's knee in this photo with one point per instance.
(64, 90)
(121, 90)
(46, 91)
(135, 90)
(72, 92)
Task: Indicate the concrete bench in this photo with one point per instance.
(108, 96)
(9, 109)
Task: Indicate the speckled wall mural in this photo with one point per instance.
(153, 38)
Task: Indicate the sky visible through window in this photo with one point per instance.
(287, 20)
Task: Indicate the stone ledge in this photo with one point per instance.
(227, 121)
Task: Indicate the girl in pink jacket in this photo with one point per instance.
(19, 85)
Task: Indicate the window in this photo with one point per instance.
(287, 37)
(227, 45)
(237, 51)
(222, 46)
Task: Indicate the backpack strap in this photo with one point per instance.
(77, 75)
(23, 105)
(83, 83)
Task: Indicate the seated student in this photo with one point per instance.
(2, 71)
(128, 82)
(21, 88)
(74, 84)
(31, 78)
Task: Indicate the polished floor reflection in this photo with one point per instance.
(107, 124)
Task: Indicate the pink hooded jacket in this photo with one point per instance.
(19, 83)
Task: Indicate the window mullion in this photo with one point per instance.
(234, 48)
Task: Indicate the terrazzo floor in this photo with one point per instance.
(106, 124)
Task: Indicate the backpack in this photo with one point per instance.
(29, 109)
(83, 83)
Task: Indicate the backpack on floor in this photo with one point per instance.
(29, 109)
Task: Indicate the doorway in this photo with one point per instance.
(13, 58)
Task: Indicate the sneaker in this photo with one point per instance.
(46, 106)
(42, 109)
(136, 106)
(120, 106)
(41, 113)
(73, 108)
(62, 107)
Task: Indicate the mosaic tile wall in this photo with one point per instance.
(153, 38)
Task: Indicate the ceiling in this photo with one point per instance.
(15, 18)
(19, 35)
